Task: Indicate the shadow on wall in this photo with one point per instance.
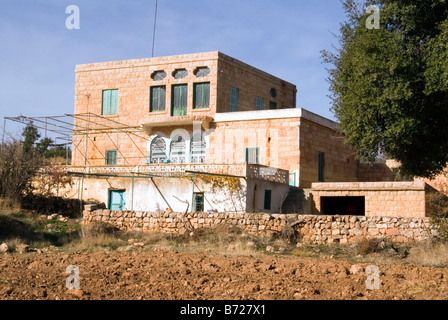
(71, 208)
(294, 202)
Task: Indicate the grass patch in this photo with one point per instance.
(18, 228)
(429, 253)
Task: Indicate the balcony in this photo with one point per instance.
(243, 170)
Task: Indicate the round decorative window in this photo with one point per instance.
(273, 93)
(180, 73)
(158, 75)
(201, 72)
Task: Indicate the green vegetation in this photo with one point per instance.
(389, 85)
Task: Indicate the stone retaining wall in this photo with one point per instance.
(315, 229)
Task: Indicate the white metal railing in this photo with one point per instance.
(253, 171)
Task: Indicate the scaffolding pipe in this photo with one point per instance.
(87, 139)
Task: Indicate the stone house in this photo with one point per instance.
(168, 132)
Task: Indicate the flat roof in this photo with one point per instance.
(276, 114)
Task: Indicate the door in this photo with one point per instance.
(117, 200)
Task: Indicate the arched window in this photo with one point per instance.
(177, 150)
(198, 149)
(158, 150)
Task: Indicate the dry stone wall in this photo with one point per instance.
(314, 229)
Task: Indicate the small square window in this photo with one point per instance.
(272, 105)
(111, 157)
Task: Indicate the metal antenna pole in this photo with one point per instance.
(154, 30)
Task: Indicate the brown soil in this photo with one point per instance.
(167, 275)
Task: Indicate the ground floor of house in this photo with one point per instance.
(243, 188)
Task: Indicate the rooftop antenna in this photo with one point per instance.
(154, 31)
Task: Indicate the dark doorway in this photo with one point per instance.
(354, 206)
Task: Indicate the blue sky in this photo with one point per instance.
(38, 54)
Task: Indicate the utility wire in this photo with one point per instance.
(154, 31)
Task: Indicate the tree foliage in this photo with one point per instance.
(390, 85)
(17, 169)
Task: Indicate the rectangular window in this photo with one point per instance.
(253, 155)
(158, 98)
(110, 102)
(198, 202)
(234, 99)
(321, 175)
(272, 105)
(179, 100)
(201, 97)
(267, 199)
(111, 157)
(259, 103)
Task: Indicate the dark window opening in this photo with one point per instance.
(354, 206)
(198, 202)
(321, 164)
(267, 199)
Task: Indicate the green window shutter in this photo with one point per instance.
(259, 103)
(106, 102)
(158, 98)
(234, 99)
(117, 200)
(179, 100)
(201, 95)
(114, 102)
(321, 176)
(111, 157)
(253, 155)
(110, 102)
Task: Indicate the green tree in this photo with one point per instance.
(43, 145)
(30, 135)
(390, 85)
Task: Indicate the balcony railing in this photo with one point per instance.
(253, 171)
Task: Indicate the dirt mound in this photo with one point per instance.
(168, 275)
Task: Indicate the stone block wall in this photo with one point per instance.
(375, 172)
(251, 83)
(389, 199)
(316, 136)
(314, 229)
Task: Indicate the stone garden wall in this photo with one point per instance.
(315, 229)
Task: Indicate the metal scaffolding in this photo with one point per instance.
(76, 128)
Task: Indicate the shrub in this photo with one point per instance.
(437, 210)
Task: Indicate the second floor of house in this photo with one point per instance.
(147, 90)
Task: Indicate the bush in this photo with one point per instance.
(17, 169)
(437, 210)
